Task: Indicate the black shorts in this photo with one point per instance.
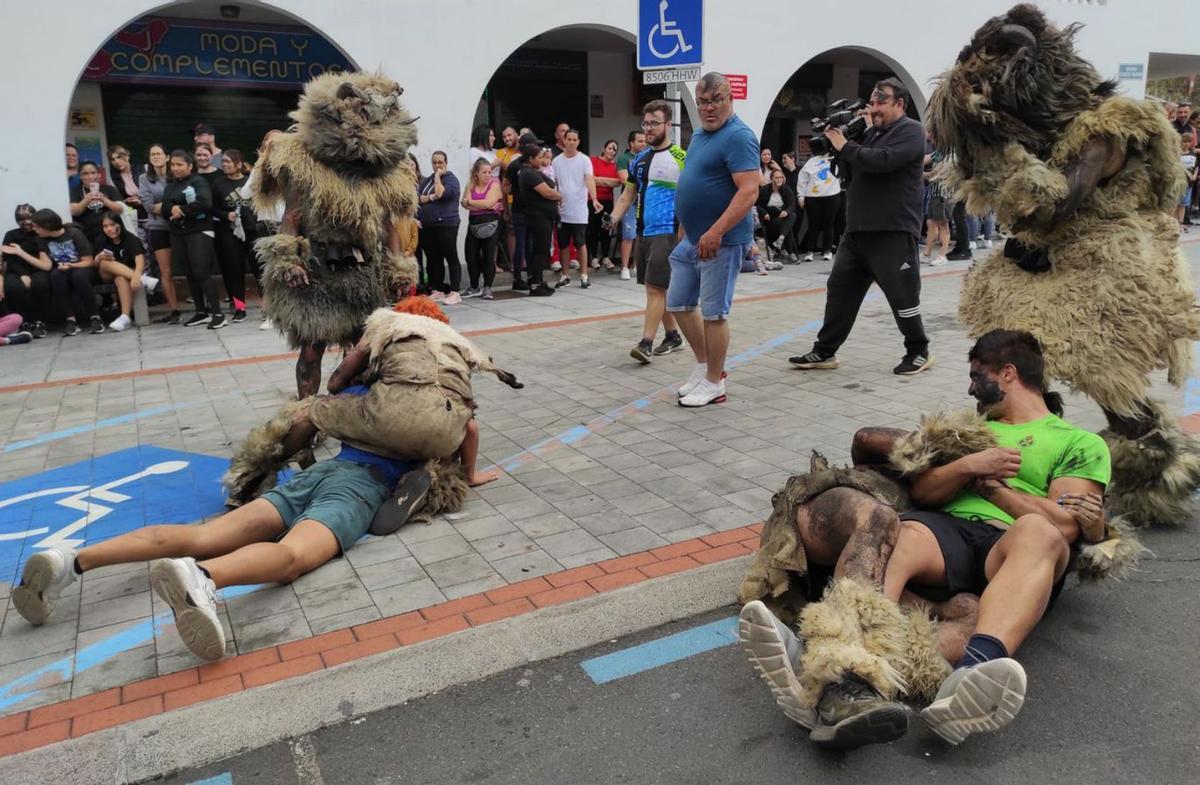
(569, 232)
(965, 547)
(160, 240)
(653, 259)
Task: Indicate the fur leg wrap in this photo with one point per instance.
(1113, 556)
(1154, 477)
(923, 668)
(853, 629)
(447, 486)
(256, 463)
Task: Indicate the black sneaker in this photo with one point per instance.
(15, 339)
(541, 290)
(39, 330)
(520, 286)
(643, 352)
(959, 256)
(97, 326)
(814, 362)
(217, 321)
(586, 283)
(912, 364)
(851, 714)
(409, 497)
(71, 328)
(239, 316)
(197, 318)
(172, 318)
(564, 281)
(670, 343)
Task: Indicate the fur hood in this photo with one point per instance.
(354, 119)
(942, 438)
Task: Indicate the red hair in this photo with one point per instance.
(421, 306)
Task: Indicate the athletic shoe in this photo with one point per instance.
(71, 328)
(192, 598)
(563, 281)
(851, 714)
(541, 290)
(150, 282)
(977, 699)
(985, 244)
(778, 244)
(774, 265)
(959, 256)
(827, 256)
(197, 319)
(608, 265)
(471, 292)
(97, 326)
(266, 324)
(409, 497)
(217, 321)
(643, 352)
(120, 324)
(45, 576)
(624, 273)
(585, 284)
(815, 362)
(18, 338)
(39, 329)
(971, 245)
(239, 316)
(937, 261)
(594, 264)
(556, 266)
(669, 344)
(486, 294)
(519, 285)
(574, 264)
(703, 394)
(171, 318)
(454, 298)
(808, 257)
(912, 364)
(698, 374)
(774, 652)
(437, 297)
(760, 266)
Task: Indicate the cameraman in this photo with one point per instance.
(883, 224)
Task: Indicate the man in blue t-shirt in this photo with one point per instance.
(716, 191)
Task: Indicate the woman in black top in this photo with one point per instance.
(90, 200)
(187, 203)
(25, 287)
(539, 200)
(777, 210)
(233, 221)
(121, 258)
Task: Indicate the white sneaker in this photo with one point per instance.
(986, 244)
(937, 261)
(827, 256)
(192, 597)
(624, 273)
(574, 264)
(556, 266)
(43, 579)
(703, 394)
(981, 698)
(774, 651)
(266, 324)
(150, 282)
(697, 376)
(121, 323)
(808, 257)
(971, 245)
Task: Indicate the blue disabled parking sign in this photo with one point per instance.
(670, 34)
(100, 498)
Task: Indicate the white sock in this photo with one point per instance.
(702, 367)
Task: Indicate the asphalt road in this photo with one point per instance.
(1114, 697)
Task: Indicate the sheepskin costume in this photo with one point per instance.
(342, 165)
(1088, 181)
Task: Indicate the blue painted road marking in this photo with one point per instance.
(653, 654)
(220, 779)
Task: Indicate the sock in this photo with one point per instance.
(75, 566)
(207, 574)
(982, 648)
(673, 334)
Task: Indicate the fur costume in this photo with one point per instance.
(342, 165)
(1087, 182)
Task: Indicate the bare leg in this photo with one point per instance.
(956, 622)
(120, 276)
(917, 557)
(872, 446)
(305, 547)
(1021, 571)
(581, 253)
(656, 311)
(930, 236)
(692, 327)
(308, 369)
(944, 231)
(163, 256)
(716, 343)
(626, 253)
(849, 530)
(255, 522)
(468, 453)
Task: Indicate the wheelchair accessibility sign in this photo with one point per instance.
(97, 499)
(670, 34)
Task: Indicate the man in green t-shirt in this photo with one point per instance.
(993, 524)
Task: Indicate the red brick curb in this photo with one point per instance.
(118, 705)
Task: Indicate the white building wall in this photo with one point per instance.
(444, 61)
(610, 75)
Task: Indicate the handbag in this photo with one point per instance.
(484, 228)
(129, 219)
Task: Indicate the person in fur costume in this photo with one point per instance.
(838, 554)
(1086, 181)
(340, 172)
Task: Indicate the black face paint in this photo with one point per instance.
(986, 392)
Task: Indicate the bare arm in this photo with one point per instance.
(747, 194)
(1017, 504)
(548, 192)
(628, 194)
(939, 485)
(349, 368)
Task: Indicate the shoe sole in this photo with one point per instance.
(196, 629)
(27, 598)
(928, 364)
(878, 726)
(823, 365)
(220, 326)
(680, 394)
(641, 357)
(718, 399)
(768, 656)
(987, 699)
(410, 495)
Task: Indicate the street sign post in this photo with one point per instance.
(670, 34)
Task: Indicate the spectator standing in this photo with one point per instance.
(604, 169)
(637, 143)
(1187, 158)
(560, 139)
(233, 228)
(90, 199)
(649, 196)
(72, 155)
(937, 212)
(483, 144)
(205, 166)
(576, 182)
(438, 213)
(526, 143)
(24, 277)
(1183, 113)
(66, 252)
(266, 221)
(151, 185)
(819, 193)
(504, 157)
(187, 203)
(539, 201)
(484, 202)
(777, 209)
(717, 190)
(121, 261)
(203, 133)
(791, 171)
(883, 224)
(122, 177)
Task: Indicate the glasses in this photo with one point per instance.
(706, 103)
(651, 125)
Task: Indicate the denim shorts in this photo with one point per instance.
(629, 224)
(341, 495)
(709, 283)
(1185, 198)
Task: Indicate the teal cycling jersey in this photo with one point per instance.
(655, 175)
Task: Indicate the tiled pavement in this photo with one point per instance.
(600, 461)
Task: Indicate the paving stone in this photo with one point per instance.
(104, 585)
(336, 571)
(261, 603)
(582, 506)
(482, 528)
(271, 630)
(668, 520)
(334, 600)
(122, 668)
(545, 525)
(632, 540)
(374, 550)
(344, 620)
(22, 641)
(493, 581)
(432, 551)
(587, 557)
(502, 545)
(638, 503)
(569, 543)
(407, 597)
(114, 611)
(526, 565)
(460, 569)
(390, 573)
(525, 508)
(607, 522)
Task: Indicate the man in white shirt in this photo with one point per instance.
(577, 184)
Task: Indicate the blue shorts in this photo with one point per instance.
(341, 495)
(708, 284)
(629, 224)
(1186, 197)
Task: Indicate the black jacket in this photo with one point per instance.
(197, 215)
(887, 189)
(789, 200)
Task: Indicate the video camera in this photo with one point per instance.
(842, 115)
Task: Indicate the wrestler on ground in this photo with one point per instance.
(858, 649)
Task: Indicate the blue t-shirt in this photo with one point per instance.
(655, 174)
(706, 185)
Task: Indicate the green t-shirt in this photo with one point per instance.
(623, 164)
(1050, 448)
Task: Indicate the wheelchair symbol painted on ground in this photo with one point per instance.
(667, 29)
(97, 499)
